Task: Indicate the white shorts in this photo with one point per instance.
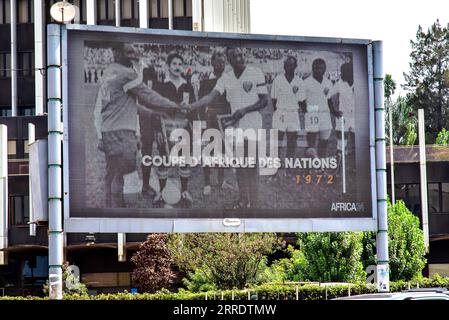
(252, 120)
(285, 120)
(317, 121)
(348, 124)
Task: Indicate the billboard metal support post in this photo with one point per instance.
(54, 103)
(143, 13)
(39, 55)
(390, 120)
(423, 178)
(381, 171)
(91, 12)
(170, 14)
(13, 58)
(117, 13)
(3, 193)
(32, 223)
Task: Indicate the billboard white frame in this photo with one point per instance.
(150, 225)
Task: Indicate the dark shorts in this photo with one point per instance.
(121, 145)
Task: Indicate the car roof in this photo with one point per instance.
(439, 290)
(430, 295)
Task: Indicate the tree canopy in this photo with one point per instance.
(428, 79)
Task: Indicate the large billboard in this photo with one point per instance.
(180, 126)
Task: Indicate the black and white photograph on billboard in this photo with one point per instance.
(207, 129)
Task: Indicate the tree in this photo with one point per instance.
(332, 256)
(226, 260)
(443, 137)
(152, 262)
(428, 78)
(292, 268)
(404, 122)
(405, 244)
(389, 87)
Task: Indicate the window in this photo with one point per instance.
(19, 206)
(178, 8)
(410, 194)
(5, 12)
(154, 8)
(26, 111)
(106, 9)
(25, 64)
(35, 270)
(130, 9)
(5, 112)
(26, 148)
(81, 14)
(8, 65)
(437, 196)
(5, 65)
(25, 11)
(12, 149)
(188, 8)
(163, 4)
(445, 196)
(182, 8)
(433, 197)
(2, 64)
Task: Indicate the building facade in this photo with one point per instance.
(408, 189)
(23, 101)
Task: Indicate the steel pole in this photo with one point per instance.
(3, 194)
(423, 178)
(117, 13)
(91, 12)
(170, 14)
(390, 117)
(13, 58)
(196, 15)
(54, 103)
(39, 55)
(143, 14)
(31, 140)
(383, 277)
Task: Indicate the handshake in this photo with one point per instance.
(185, 107)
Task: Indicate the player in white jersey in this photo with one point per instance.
(247, 93)
(286, 91)
(344, 91)
(344, 88)
(318, 122)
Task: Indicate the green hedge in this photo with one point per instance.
(271, 291)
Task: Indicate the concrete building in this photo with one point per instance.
(23, 101)
(407, 188)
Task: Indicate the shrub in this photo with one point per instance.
(331, 256)
(267, 291)
(152, 265)
(405, 244)
(226, 260)
(443, 137)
